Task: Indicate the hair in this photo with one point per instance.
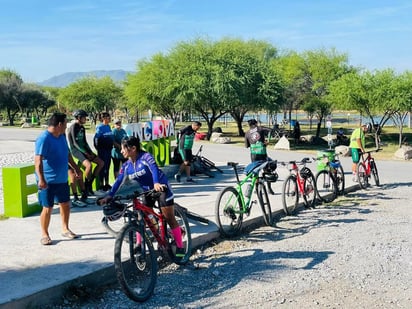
(57, 118)
(252, 122)
(103, 115)
(197, 123)
(131, 141)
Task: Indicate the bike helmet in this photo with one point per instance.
(305, 172)
(79, 113)
(271, 177)
(114, 211)
(271, 166)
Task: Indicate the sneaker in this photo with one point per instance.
(78, 203)
(190, 179)
(177, 177)
(180, 252)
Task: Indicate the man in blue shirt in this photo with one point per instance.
(51, 159)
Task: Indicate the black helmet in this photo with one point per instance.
(271, 177)
(114, 211)
(305, 172)
(79, 113)
(252, 122)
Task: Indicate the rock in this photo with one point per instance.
(283, 143)
(404, 153)
(219, 139)
(343, 150)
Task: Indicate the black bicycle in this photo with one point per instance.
(202, 165)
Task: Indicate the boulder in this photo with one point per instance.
(343, 150)
(217, 138)
(404, 153)
(283, 143)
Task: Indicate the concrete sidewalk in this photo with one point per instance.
(34, 275)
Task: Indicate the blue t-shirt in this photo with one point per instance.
(55, 153)
(103, 139)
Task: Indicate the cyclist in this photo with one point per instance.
(357, 146)
(142, 167)
(255, 139)
(81, 150)
(118, 134)
(186, 137)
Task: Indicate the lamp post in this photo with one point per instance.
(348, 118)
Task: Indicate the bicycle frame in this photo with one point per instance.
(300, 181)
(246, 200)
(367, 162)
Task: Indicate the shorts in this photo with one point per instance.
(356, 152)
(186, 154)
(55, 192)
(80, 155)
(165, 199)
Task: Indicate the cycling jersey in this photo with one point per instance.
(187, 136)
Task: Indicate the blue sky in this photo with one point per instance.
(43, 38)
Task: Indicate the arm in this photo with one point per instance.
(38, 166)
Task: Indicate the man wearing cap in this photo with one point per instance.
(357, 146)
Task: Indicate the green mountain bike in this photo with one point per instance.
(234, 202)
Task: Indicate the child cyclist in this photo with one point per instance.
(142, 167)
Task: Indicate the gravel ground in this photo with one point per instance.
(354, 253)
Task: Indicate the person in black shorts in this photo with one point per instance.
(186, 138)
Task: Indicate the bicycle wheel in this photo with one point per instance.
(228, 212)
(309, 195)
(326, 186)
(340, 180)
(264, 203)
(135, 264)
(113, 227)
(186, 239)
(362, 175)
(374, 172)
(290, 195)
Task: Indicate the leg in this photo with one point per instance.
(65, 215)
(45, 217)
(169, 213)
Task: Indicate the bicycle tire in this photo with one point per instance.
(362, 175)
(264, 203)
(326, 188)
(290, 195)
(136, 269)
(374, 172)
(113, 227)
(340, 180)
(229, 212)
(186, 239)
(210, 164)
(309, 194)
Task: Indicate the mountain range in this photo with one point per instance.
(65, 79)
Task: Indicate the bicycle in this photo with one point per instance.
(330, 182)
(298, 182)
(367, 167)
(232, 204)
(202, 165)
(135, 261)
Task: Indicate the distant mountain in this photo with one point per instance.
(67, 78)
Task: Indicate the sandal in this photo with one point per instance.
(70, 235)
(46, 241)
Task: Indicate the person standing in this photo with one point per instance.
(103, 142)
(81, 150)
(255, 139)
(186, 138)
(142, 167)
(51, 158)
(118, 135)
(357, 146)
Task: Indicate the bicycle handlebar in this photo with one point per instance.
(371, 151)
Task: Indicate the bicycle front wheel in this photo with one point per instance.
(362, 175)
(326, 186)
(309, 194)
(228, 212)
(374, 172)
(290, 195)
(113, 227)
(135, 263)
(186, 239)
(264, 203)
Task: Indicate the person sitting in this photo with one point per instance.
(341, 138)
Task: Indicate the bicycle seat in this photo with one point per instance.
(232, 164)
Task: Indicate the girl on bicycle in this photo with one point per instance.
(142, 167)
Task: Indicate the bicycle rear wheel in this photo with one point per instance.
(374, 172)
(135, 264)
(326, 186)
(264, 203)
(362, 175)
(290, 195)
(228, 212)
(309, 194)
(340, 180)
(113, 227)
(186, 239)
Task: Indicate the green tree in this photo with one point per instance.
(10, 92)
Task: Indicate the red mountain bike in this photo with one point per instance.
(367, 167)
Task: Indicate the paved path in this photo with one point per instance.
(31, 274)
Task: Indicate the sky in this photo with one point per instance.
(40, 39)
